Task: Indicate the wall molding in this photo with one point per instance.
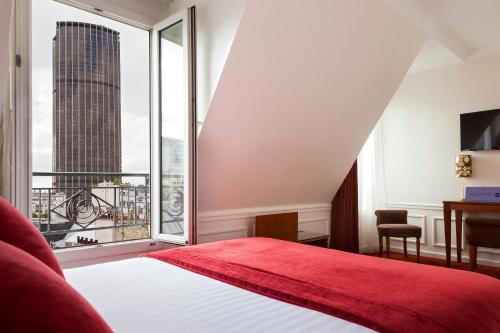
(223, 231)
(313, 220)
(413, 205)
(434, 254)
(234, 214)
(235, 223)
(434, 233)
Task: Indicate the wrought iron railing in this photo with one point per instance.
(92, 213)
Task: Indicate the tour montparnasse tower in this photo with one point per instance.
(86, 105)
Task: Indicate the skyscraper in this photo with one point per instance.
(86, 105)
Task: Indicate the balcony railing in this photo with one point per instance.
(110, 211)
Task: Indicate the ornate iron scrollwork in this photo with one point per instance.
(83, 208)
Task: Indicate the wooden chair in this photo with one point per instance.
(394, 223)
(483, 232)
(280, 226)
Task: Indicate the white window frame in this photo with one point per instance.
(190, 198)
(22, 144)
(21, 157)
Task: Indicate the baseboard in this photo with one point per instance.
(438, 255)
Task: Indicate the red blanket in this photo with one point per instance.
(384, 295)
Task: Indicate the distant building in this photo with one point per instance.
(86, 106)
(132, 203)
(40, 202)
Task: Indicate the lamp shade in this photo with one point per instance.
(463, 166)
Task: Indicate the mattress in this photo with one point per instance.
(147, 295)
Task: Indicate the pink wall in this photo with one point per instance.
(301, 89)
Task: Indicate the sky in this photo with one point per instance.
(134, 43)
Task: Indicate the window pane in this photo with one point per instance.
(90, 106)
(173, 129)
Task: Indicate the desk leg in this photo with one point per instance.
(458, 225)
(447, 233)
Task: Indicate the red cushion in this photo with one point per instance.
(18, 231)
(35, 299)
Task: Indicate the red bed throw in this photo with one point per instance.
(384, 295)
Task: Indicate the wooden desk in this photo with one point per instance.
(459, 207)
(313, 238)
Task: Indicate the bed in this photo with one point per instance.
(147, 295)
(267, 285)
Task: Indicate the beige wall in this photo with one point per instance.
(421, 131)
(421, 136)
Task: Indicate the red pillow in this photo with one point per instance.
(17, 230)
(33, 298)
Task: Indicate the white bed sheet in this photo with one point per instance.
(147, 295)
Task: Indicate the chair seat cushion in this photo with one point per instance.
(485, 221)
(484, 232)
(399, 230)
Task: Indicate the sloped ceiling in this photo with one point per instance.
(301, 89)
(459, 30)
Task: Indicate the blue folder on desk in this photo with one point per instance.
(482, 194)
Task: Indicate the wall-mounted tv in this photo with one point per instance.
(480, 130)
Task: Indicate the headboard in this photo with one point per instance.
(280, 226)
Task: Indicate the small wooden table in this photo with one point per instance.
(313, 238)
(459, 207)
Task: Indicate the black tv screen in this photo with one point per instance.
(480, 130)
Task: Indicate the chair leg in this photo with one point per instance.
(388, 244)
(418, 250)
(404, 245)
(473, 257)
(380, 245)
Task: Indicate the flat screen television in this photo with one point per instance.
(480, 130)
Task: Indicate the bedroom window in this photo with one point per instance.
(90, 109)
(174, 80)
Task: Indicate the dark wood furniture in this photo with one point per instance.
(285, 227)
(394, 223)
(280, 226)
(459, 207)
(483, 232)
(314, 238)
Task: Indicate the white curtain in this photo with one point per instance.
(371, 194)
(6, 72)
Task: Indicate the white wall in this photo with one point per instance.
(238, 223)
(421, 136)
(216, 25)
(302, 88)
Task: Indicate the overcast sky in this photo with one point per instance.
(134, 45)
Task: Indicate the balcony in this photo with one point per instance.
(110, 210)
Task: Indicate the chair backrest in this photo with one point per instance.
(279, 226)
(392, 216)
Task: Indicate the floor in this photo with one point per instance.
(487, 270)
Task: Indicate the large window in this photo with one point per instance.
(90, 127)
(174, 73)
